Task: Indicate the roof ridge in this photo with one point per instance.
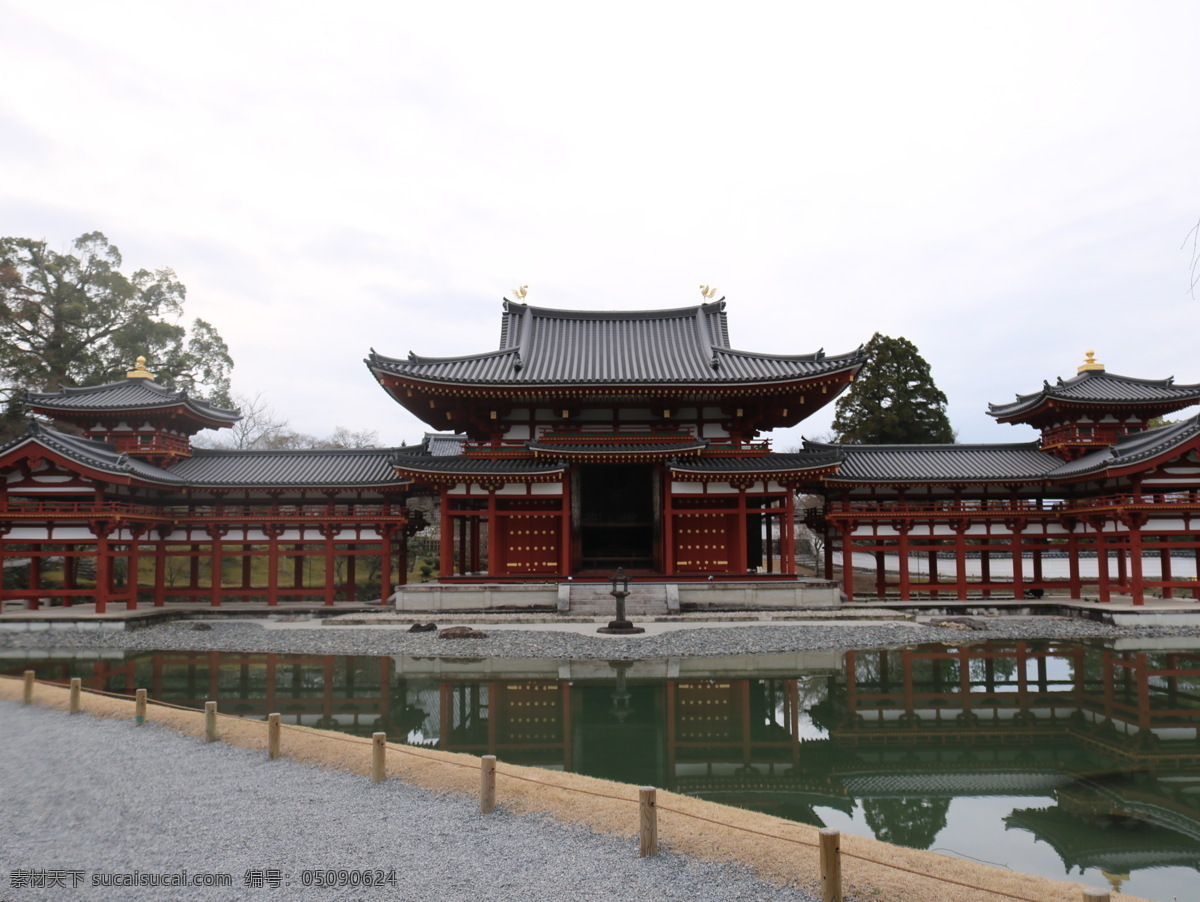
(939, 446)
(420, 358)
(212, 452)
(585, 314)
(812, 356)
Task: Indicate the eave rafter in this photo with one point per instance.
(476, 408)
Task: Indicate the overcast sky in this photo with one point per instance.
(1004, 184)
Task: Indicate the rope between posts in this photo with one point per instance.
(699, 817)
(359, 740)
(587, 792)
(900, 867)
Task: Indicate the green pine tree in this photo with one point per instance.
(76, 319)
(894, 400)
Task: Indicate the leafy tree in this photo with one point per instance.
(75, 319)
(908, 822)
(894, 400)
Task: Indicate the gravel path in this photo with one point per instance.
(102, 797)
(227, 635)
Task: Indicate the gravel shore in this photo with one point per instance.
(313, 638)
(93, 796)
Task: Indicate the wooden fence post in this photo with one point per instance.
(273, 731)
(210, 721)
(647, 822)
(28, 697)
(487, 784)
(76, 684)
(378, 750)
(139, 707)
(831, 865)
(1095, 895)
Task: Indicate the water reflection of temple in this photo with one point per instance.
(1110, 737)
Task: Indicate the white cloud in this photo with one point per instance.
(1004, 185)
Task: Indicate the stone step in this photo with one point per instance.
(596, 599)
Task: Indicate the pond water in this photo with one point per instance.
(1056, 758)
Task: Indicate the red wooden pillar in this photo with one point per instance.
(215, 565)
(68, 573)
(985, 563)
(350, 592)
(738, 560)
(1102, 565)
(880, 574)
(1164, 557)
(385, 562)
(934, 580)
(329, 532)
(564, 528)
(1018, 559)
(273, 531)
(103, 567)
(964, 678)
(902, 530)
(468, 545)
(1074, 583)
(847, 528)
(851, 665)
(668, 526)
(787, 535)
(35, 576)
(910, 701)
(960, 559)
(193, 569)
(1142, 675)
(1022, 676)
(134, 557)
(298, 559)
(247, 560)
(446, 531)
(160, 569)
(1137, 587)
(497, 555)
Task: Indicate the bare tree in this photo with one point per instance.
(1194, 237)
(258, 424)
(262, 429)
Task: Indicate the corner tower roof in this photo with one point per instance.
(138, 394)
(1095, 390)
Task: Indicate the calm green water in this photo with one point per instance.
(1053, 758)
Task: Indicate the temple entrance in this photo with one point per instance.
(616, 516)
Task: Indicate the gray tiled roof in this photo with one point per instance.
(939, 463)
(94, 454)
(127, 394)
(542, 346)
(761, 464)
(470, 466)
(443, 444)
(310, 468)
(1098, 387)
(1131, 449)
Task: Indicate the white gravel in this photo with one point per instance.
(94, 796)
(781, 637)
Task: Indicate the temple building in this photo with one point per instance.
(129, 512)
(592, 440)
(598, 440)
(1098, 488)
